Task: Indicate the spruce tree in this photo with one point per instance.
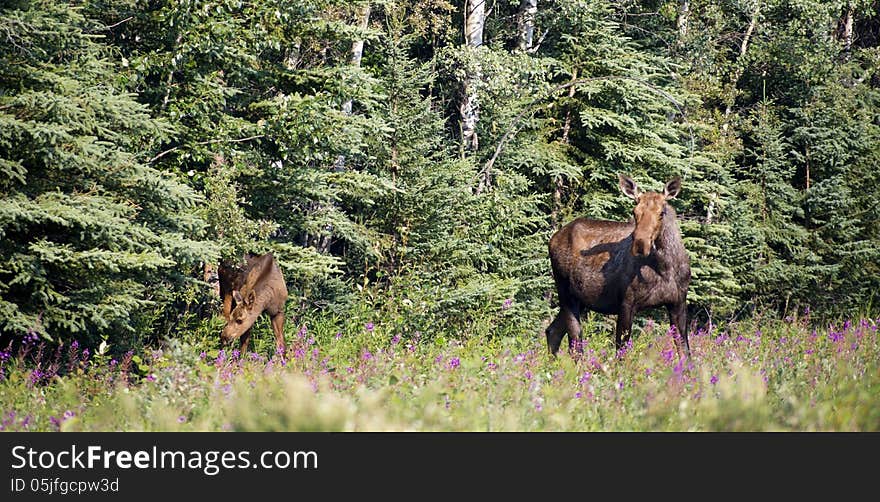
(92, 238)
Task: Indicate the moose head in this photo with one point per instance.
(242, 317)
(649, 212)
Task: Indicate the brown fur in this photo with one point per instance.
(621, 268)
(247, 292)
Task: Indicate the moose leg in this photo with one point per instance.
(556, 331)
(678, 318)
(278, 328)
(624, 326)
(573, 326)
(245, 340)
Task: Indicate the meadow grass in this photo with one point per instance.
(349, 375)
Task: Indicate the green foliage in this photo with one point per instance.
(141, 140)
(91, 235)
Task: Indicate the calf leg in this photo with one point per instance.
(245, 340)
(278, 328)
(678, 318)
(624, 327)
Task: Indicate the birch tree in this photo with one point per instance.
(474, 22)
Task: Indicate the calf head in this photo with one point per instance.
(242, 316)
(649, 212)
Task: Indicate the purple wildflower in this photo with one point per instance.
(338, 335)
(395, 340)
(369, 327)
(453, 363)
(181, 419)
(507, 303)
(151, 377)
(714, 379)
(366, 355)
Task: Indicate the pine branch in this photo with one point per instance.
(516, 125)
(239, 140)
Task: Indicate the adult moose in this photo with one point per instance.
(621, 268)
(247, 292)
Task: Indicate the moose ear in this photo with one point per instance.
(251, 297)
(672, 188)
(237, 296)
(629, 187)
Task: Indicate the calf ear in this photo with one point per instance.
(629, 187)
(237, 296)
(251, 297)
(672, 188)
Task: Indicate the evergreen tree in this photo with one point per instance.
(92, 237)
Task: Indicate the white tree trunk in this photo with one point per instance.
(684, 11)
(848, 31)
(474, 21)
(357, 52)
(528, 10)
(743, 48)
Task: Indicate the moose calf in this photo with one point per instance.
(247, 292)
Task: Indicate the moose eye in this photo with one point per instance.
(239, 321)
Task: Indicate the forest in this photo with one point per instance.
(406, 163)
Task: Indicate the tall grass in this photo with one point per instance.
(348, 375)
